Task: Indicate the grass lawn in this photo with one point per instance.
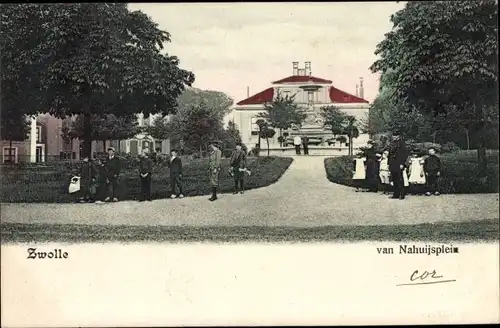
(459, 174)
(485, 230)
(49, 184)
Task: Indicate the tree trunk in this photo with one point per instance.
(281, 137)
(481, 151)
(268, 151)
(104, 146)
(201, 151)
(119, 145)
(87, 135)
(467, 138)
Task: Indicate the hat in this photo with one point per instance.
(214, 142)
(111, 148)
(378, 155)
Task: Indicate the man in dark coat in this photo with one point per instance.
(145, 171)
(398, 159)
(372, 171)
(305, 144)
(113, 168)
(237, 162)
(175, 166)
(87, 177)
(101, 177)
(214, 167)
(432, 170)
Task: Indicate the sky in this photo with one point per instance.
(232, 46)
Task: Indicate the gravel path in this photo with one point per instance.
(303, 197)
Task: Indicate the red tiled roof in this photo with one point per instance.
(336, 96)
(339, 96)
(302, 79)
(259, 98)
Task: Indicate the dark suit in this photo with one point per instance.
(398, 156)
(113, 169)
(175, 166)
(432, 166)
(237, 162)
(146, 166)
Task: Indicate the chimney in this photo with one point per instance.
(248, 91)
(357, 87)
(308, 68)
(361, 89)
(295, 68)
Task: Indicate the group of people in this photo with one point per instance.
(395, 169)
(99, 181)
(301, 141)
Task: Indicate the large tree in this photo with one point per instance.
(333, 119)
(218, 102)
(282, 113)
(198, 126)
(444, 54)
(87, 59)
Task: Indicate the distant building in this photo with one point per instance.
(311, 93)
(143, 141)
(45, 143)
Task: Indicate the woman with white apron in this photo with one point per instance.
(385, 174)
(417, 177)
(359, 172)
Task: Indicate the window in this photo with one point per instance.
(39, 134)
(67, 145)
(9, 155)
(254, 126)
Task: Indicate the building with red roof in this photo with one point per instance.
(310, 92)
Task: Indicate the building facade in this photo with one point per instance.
(311, 93)
(46, 144)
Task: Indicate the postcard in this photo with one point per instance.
(228, 164)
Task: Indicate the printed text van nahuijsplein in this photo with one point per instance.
(427, 249)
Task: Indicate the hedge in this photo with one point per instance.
(459, 175)
(49, 184)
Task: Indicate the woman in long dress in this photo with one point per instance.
(359, 172)
(417, 177)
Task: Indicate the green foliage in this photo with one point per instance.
(265, 132)
(334, 119)
(231, 136)
(107, 127)
(86, 58)
(283, 112)
(218, 102)
(160, 129)
(442, 57)
(442, 52)
(13, 125)
(198, 126)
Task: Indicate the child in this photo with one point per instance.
(432, 170)
(417, 178)
(359, 173)
(385, 174)
(175, 165)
